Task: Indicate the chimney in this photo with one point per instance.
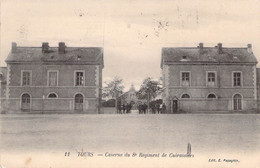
(62, 47)
(14, 46)
(220, 48)
(200, 48)
(249, 48)
(45, 47)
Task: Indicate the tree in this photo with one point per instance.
(113, 89)
(149, 89)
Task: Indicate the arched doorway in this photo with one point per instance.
(26, 102)
(237, 102)
(79, 102)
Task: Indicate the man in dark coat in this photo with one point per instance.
(144, 108)
(124, 108)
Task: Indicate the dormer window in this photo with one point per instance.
(184, 57)
(79, 57)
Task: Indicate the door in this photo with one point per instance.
(26, 102)
(237, 99)
(79, 102)
(175, 106)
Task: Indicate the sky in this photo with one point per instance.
(132, 32)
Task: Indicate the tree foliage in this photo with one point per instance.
(113, 89)
(149, 89)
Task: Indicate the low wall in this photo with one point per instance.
(214, 105)
(49, 105)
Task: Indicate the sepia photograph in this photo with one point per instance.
(129, 83)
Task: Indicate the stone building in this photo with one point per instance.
(54, 79)
(130, 97)
(209, 78)
(3, 73)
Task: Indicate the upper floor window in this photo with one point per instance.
(79, 78)
(211, 78)
(53, 78)
(185, 78)
(26, 78)
(237, 78)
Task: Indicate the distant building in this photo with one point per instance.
(209, 78)
(130, 97)
(54, 79)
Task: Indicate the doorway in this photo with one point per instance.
(79, 102)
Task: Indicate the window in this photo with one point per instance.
(26, 78)
(185, 78)
(211, 78)
(236, 78)
(52, 95)
(185, 96)
(212, 96)
(1, 76)
(79, 79)
(26, 98)
(53, 78)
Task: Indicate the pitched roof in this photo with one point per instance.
(72, 55)
(206, 55)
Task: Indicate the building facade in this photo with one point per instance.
(54, 79)
(3, 73)
(209, 79)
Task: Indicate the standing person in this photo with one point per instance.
(124, 108)
(127, 108)
(144, 107)
(163, 108)
(130, 107)
(157, 105)
(140, 108)
(120, 109)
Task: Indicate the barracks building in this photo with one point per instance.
(61, 79)
(210, 79)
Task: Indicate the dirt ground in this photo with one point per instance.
(132, 132)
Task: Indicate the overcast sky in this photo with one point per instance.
(132, 32)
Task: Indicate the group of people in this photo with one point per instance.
(125, 108)
(155, 108)
(159, 108)
(142, 108)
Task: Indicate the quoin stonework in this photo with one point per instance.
(61, 79)
(209, 79)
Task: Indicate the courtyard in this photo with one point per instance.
(116, 133)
